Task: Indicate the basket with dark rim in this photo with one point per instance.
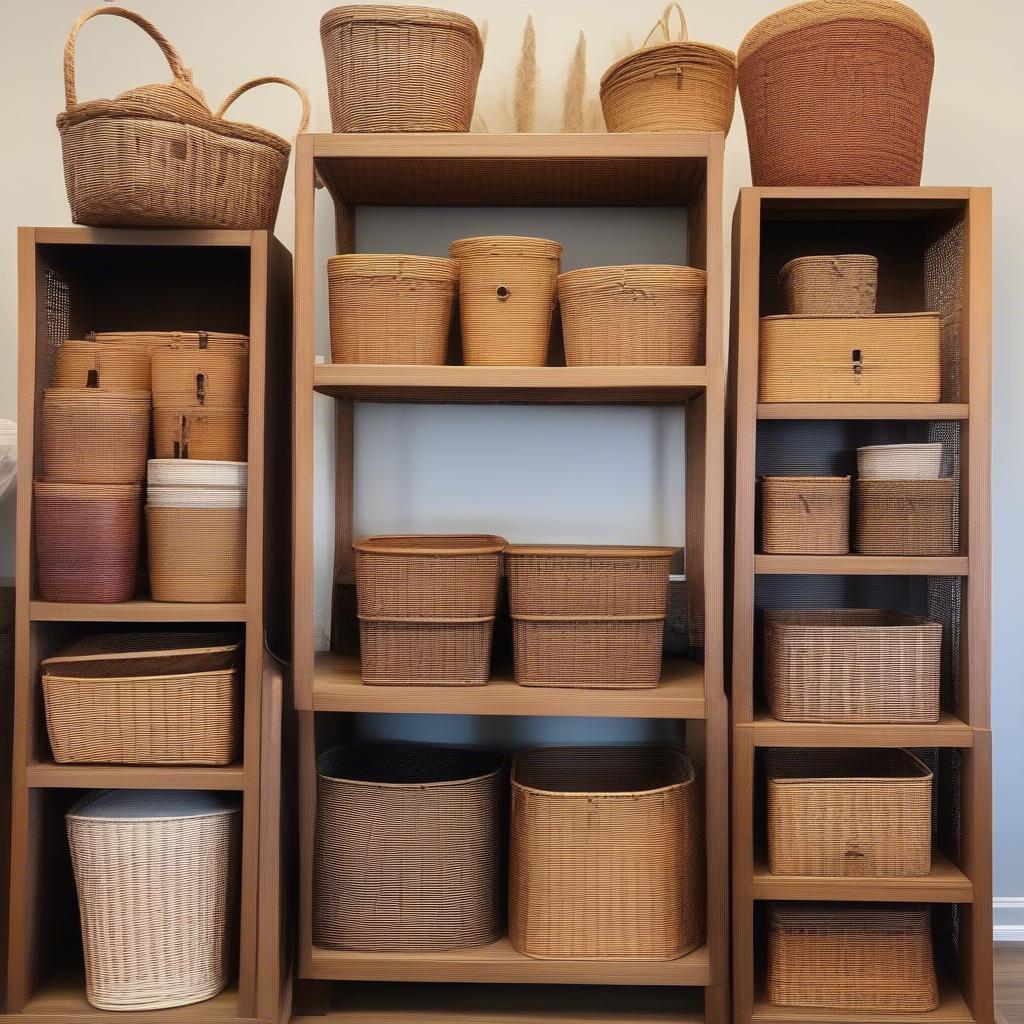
(905, 517)
(805, 515)
(830, 285)
(82, 364)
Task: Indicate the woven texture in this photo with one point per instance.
(830, 285)
(507, 289)
(201, 376)
(407, 853)
(835, 92)
(403, 652)
(156, 898)
(87, 541)
(848, 813)
(216, 341)
(861, 957)
(633, 316)
(196, 497)
(105, 655)
(900, 461)
(200, 432)
(400, 69)
(605, 860)
(883, 358)
(805, 515)
(119, 368)
(851, 665)
(196, 554)
(208, 474)
(904, 517)
(390, 309)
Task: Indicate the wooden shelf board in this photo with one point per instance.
(136, 611)
(101, 776)
(198, 237)
(513, 385)
(949, 731)
(861, 411)
(860, 565)
(946, 883)
(499, 962)
(338, 686)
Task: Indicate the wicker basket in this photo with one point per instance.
(390, 309)
(408, 848)
(851, 665)
(400, 69)
(84, 364)
(87, 541)
(148, 157)
(805, 515)
(196, 497)
(633, 316)
(860, 957)
(900, 461)
(157, 879)
(201, 432)
(885, 358)
(200, 376)
(507, 289)
(835, 92)
(830, 285)
(216, 341)
(196, 554)
(92, 436)
(144, 654)
(605, 860)
(207, 474)
(848, 813)
(433, 652)
(672, 86)
(905, 517)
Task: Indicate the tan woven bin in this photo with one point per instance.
(905, 517)
(201, 432)
(853, 813)
(851, 665)
(805, 515)
(119, 368)
(860, 957)
(157, 879)
(439, 652)
(633, 316)
(408, 848)
(830, 285)
(605, 860)
(196, 554)
(150, 341)
(201, 376)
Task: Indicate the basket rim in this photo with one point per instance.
(918, 446)
(228, 643)
(451, 620)
(922, 772)
(536, 244)
(363, 264)
(650, 617)
(833, 317)
(501, 761)
(150, 678)
(680, 270)
(74, 812)
(428, 17)
(788, 266)
(788, 617)
(591, 550)
(57, 489)
(803, 479)
(115, 337)
(419, 544)
(946, 483)
(816, 912)
(67, 394)
(684, 47)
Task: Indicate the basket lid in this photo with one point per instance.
(666, 58)
(151, 805)
(206, 473)
(432, 544)
(592, 550)
(924, 446)
(852, 257)
(378, 14)
(505, 245)
(114, 647)
(833, 317)
(622, 771)
(159, 339)
(424, 268)
(636, 274)
(90, 492)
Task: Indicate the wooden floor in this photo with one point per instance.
(1009, 982)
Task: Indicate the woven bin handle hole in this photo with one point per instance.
(858, 363)
(92, 379)
(503, 292)
(201, 388)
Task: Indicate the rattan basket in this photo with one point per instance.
(86, 541)
(507, 289)
(835, 92)
(805, 515)
(408, 848)
(830, 285)
(605, 860)
(671, 86)
(853, 813)
(851, 665)
(433, 652)
(91, 436)
(216, 341)
(156, 156)
(200, 376)
(633, 316)
(868, 958)
(390, 309)
(157, 879)
(219, 433)
(900, 461)
(905, 517)
(83, 364)
(196, 554)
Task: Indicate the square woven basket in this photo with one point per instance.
(905, 517)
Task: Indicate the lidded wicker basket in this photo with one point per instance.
(217, 341)
(805, 515)
(83, 364)
(830, 285)
(900, 461)
(400, 69)
(835, 92)
(905, 517)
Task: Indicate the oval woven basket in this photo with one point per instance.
(82, 364)
(900, 461)
(805, 515)
(400, 69)
(205, 473)
(188, 431)
(830, 285)
(835, 92)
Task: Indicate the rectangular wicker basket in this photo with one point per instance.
(905, 517)
(851, 665)
(805, 515)
(853, 813)
(433, 652)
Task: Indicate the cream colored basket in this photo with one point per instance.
(196, 497)
(206, 473)
(900, 462)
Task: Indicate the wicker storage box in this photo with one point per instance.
(605, 860)
(149, 341)
(851, 665)
(137, 698)
(201, 376)
(196, 554)
(904, 517)
(835, 92)
(438, 652)
(884, 358)
(408, 848)
(157, 879)
(83, 364)
(200, 432)
(633, 316)
(830, 285)
(860, 957)
(854, 813)
(507, 291)
(87, 541)
(805, 515)
(900, 461)
(390, 309)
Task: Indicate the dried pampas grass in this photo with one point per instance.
(575, 87)
(524, 101)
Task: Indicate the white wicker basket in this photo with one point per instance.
(900, 462)
(195, 497)
(197, 473)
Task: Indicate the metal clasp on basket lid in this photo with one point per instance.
(503, 292)
(858, 362)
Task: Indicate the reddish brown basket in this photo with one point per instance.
(120, 368)
(448, 652)
(830, 285)
(905, 517)
(805, 515)
(196, 554)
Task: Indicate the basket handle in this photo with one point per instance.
(269, 80)
(177, 66)
(663, 23)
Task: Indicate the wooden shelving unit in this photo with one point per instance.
(509, 170)
(73, 280)
(933, 246)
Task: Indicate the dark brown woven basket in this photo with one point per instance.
(805, 515)
(408, 848)
(905, 517)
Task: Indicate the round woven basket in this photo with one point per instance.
(205, 473)
(835, 92)
(633, 316)
(400, 69)
(83, 364)
(900, 461)
(187, 431)
(507, 289)
(390, 309)
(216, 341)
(830, 285)
(672, 86)
(201, 376)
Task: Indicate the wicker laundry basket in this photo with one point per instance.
(605, 860)
(854, 813)
(83, 364)
(905, 517)
(805, 515)
(830, 285)
(157, 879)
(408, 848)
(900, 461)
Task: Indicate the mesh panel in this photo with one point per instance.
(943, 286)
(946, 764)
(947, 433)
(945, 605)
(946, 925)
(53, 328)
